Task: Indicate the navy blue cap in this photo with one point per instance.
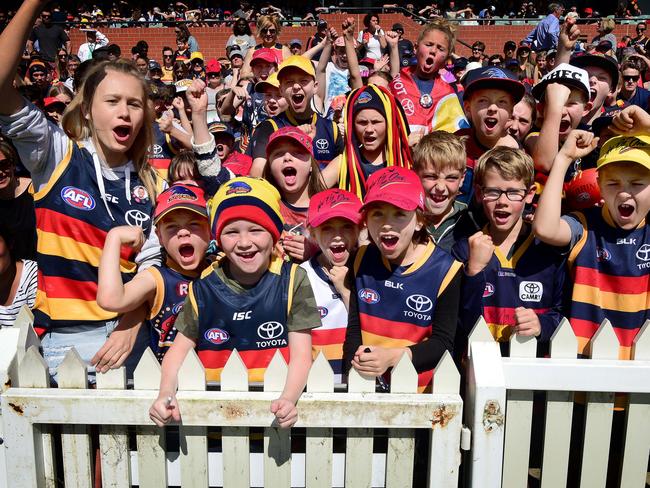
(603, 61)
(461, 63)
(495, 78)
(221, 128)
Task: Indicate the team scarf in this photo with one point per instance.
(396, 146)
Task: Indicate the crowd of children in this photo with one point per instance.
(367, 230)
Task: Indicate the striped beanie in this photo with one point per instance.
(246, 198)
(396, 149)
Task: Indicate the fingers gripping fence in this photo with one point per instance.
(30, 410)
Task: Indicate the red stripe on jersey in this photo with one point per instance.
(584, 328)
(505, 315)
(160, 163)
(57, 287)
(252, 359)
(610, 283)
(327, 336)
(66, 226)
(393, 329)
(626, 336)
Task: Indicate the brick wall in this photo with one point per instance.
(212, 40)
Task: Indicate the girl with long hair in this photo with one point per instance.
(89, 176)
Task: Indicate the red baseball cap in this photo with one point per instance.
(213, 66)
(188, 197)
(333, 203)
(293, 133)
(265, 54)
(50, 101)
(395, 185)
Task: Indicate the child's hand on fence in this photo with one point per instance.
(164, 410)
(527, 322)
(578, 144)
(374, 361)
(481, 250)
(631, 121)
(116, 349)
(285, 411)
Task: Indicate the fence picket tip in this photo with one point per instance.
(191, 375)
(641, 343)
(27, 336)
(563, 343)
(321, 375)
(276, 373)
(523, 346)
(32, 370)
(446, 378)
(113, 379)
(146, 375)
(73, 371)
(404, 377)
(604, 343)
(479, 333)
(234, 375)
(360, 383)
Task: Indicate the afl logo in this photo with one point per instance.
(369, 296)
(489, 290)
(322, 311)
(270, 330)
(216, 336)
(603, 254)
(77, 198)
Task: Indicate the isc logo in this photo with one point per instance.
(241, 315)
(369, 296)
(77, 198)
(216, 336)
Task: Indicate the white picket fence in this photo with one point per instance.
(499, 408)
(498, 411)
(30, 410)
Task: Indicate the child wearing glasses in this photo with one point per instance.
(514, 280)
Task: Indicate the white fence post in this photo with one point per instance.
(358, 449)
(277, 441)
(559, 413)
(637, 427)
(486, 396)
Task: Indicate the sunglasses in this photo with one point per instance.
(63, 56)
(168, 55)
(268, 31)
(475, 49)
(631, 78)
(214, 75)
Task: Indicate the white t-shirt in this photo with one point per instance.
(337, 83)
(373, 48)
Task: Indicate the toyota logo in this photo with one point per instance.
(270, 330)
(322, 144)
(531, 288)
(643, 253)
(136, 217)
(419, 303)
(407, 105)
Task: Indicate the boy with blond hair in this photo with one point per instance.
(440, 160)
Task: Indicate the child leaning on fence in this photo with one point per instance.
(249, 299)
(181, 220)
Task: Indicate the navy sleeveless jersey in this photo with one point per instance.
(162, 150)
(253, 321)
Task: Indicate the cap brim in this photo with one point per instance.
(192, 208)
(635, 156)
(540, 88)
(274, 142)
(322, 217)
(516, 88)
(599, 61)
(403, 203)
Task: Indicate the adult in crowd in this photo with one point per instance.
(18, 279)
(89, 177)
(268, 32)
(50, 38)
(167, 65)
(16, 204)
(478, 53)
(372, 37)
(526, 66)
(71, 68)
(509, 50)
(181, 30)
(94, 39)
(404, 46)
(317, 38)
(641, 42)
(241, 36)
(545, 35)
(630, 91)
(62, 64)
(604, 29)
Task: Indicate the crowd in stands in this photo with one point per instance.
(359, 194)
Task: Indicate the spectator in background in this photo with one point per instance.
(605, 28)
(497, 60)
(295, 46)
(630, 91)
(640, 42)
(50, 38)
(321, 33)
(525, 65)
(62, 64)
(509, 50)
(241, 36)
(143, 65)
(183, 47)
(94, 39)
(545, 35)
(268, 31)
(404, 46)
(372, 37)
(167, 65)
(71, 67)
(182, 30)
(114, 52)
(478, 53)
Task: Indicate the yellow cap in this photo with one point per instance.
(299, 62)
(620, 149)
(272, 80)
(196, 55)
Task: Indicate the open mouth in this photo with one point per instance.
(501, 217)
(625, 210)
(592, 94)
(491, 123)
(339, 252)
(186, 251)
(428, 62)
(297, 98)
(389, 242)
(438, 199)
(247, 256)
(122, 133)
(290, 175)
(565, 125)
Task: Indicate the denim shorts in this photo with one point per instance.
(87, 340)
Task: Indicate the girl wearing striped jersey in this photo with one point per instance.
(333, 221)
(406, 289)
(181, 221)
(90, 175)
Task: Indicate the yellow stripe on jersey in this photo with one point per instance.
(358, 258)
(377, 340)
(330, 351)
(160, 291)
(74, 308)
(292, 279)
(500, 332)
(451, 274)
(56, 245)
(611, 300)
(58, 171)
(512, 262)
(254, 374)
(573, 254)
(422, 259)
(192, 298)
